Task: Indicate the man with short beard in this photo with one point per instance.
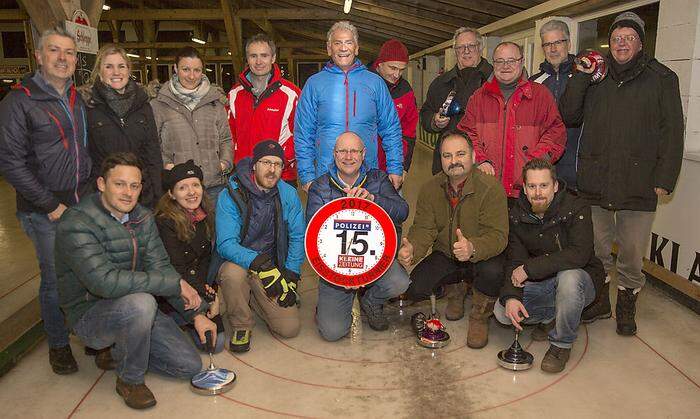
(349, 176)
(551, 269)
(469, 73)
(260, 233)
(111, 264)
(631, 153)
(44, 156)
(462, 214)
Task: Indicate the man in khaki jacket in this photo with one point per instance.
(462, 213)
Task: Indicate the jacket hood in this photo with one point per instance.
(32, 89)
(565, 67)
(244, 177)
(643, 61)
(553, 208)
(93, 203)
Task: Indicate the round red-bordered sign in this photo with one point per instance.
(350, 242)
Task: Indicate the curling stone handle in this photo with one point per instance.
(209, 344)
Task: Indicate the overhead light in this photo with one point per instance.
(128, 54)
(106, 7)
(7, 81)
(229, 53)
(347, 6)
(148, 57)
(156, 58)
(605, 46)
(228, 74)
(199, 41)
(209, 70)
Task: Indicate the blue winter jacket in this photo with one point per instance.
(232, 217)
(556, 83)
(333, 102)
(328, 188)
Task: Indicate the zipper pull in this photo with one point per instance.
(121, 121)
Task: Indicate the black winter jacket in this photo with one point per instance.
(556, 82)
(437, 93)
(561, 240)
(43, 145)
(632, 136)
(135, 133)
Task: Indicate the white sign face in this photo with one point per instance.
(85, 36)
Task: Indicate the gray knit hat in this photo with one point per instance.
(628, 20)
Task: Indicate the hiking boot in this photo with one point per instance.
(541, 332)
(240, 341)
(62, 361)
(555, 359)
(136, 396)
(482, 308)
(625, 310)
(104, 360)
(600, 309)
(375, 315)
(455, 300)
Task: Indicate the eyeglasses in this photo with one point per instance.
(352, 152)
(554, 43)
(510, 62)
(271, 164)
(471, 47)
(618, 39)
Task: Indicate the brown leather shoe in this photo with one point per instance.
(555, 359)
(541, 332)
(455, 300)
(62, 361)
(104, 360)
(482, 308)
(136, 396)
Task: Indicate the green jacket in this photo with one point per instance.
(481, 214)
(97, 258)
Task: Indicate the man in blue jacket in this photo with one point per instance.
(555, 72)
(345, 96)
(260, 235)
(349, 176)
(43, 155)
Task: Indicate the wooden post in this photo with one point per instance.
(231, 34)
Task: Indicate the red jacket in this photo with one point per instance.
(269, 117)
(508, 136)
(405, 103)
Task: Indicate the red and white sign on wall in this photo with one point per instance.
(351, 242)
(85, 35)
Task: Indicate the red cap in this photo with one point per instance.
(392, 50)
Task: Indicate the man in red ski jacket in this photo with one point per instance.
(262, 105)
(512, 120)
(390, 64)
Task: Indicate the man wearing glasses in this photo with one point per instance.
(260, 234)
(631, 152)
(511, 121)
(470, 72)
(349, 176)
(555, 72)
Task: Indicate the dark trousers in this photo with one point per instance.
(439, 269)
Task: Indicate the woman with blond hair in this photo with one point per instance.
(120, 119)
(185, 220)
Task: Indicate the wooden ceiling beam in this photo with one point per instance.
(215, 14)
(431, 14)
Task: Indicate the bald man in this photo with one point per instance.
(348, 176)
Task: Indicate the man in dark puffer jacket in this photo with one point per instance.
(348, 176)
(110, 264)
(551, 270)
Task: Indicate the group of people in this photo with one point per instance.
(181, 212)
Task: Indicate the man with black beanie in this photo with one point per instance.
(630, 154)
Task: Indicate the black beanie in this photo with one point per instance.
(628, 20)
(267, 148)
(181, 171)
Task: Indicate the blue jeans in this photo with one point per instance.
(144, 338)
(562, 297)
(334, 309)
(42, 233)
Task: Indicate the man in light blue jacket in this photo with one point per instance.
(345, 96)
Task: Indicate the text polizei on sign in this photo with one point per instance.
(351, 242)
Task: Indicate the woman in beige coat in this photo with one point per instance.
(192, 121)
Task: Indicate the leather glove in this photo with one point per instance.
(270, 276)
(289, 296)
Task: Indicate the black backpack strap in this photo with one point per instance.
(240, 198)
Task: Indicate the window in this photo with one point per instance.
(13, 45)
(593, 34)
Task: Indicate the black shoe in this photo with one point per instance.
(375, 316)
(599, 309)
(625, 310)
(62, 361)
(240, 341)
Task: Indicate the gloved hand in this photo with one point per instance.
(270, 276)
(289, 296)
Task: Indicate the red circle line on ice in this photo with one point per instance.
(350, 242)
